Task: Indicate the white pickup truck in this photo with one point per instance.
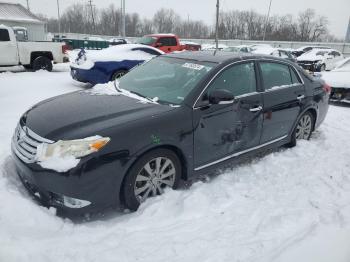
(32, 55)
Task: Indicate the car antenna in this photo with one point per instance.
(217, 27)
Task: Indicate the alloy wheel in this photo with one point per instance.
(154, 176)
(304, 127)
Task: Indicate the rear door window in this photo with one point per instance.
(295, 77)
(4, 35)
(275, 75)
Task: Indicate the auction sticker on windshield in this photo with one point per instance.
(193, 66)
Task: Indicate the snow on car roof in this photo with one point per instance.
(314, 47)
(117, 54)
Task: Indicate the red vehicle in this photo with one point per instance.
(167, 43)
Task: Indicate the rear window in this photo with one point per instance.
(168, 41)
(4, 35)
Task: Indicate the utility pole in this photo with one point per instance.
(347, 36)
(92, 15)
(123, 18)
(267, 20)
(28, 5)
(217, 26)
(59, 17)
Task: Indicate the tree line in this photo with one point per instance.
(233, 24)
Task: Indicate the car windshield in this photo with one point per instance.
(146, 40)
(166, 80)
(322, 53)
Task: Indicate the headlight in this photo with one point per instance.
(75, 148)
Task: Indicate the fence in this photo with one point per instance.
(342, 47)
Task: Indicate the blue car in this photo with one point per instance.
(102, 66)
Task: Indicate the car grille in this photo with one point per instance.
(25, 143)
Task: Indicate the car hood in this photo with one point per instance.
(337, 78)
(83, 113)
(310, 57)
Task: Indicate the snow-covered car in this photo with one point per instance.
(117, 41)
(102, 66)
(339, 80)
(301, 50)
(318, 60)
(178, 116)
(212, 47)
(256, 47)
(239, 48)
(277, 52)
(32, 55)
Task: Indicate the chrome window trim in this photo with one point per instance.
(253, 93)
(239, 153)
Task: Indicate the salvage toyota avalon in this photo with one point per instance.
(174, 117)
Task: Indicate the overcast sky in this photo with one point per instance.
(337, 11)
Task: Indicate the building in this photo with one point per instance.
(17, 15)
(347, 37)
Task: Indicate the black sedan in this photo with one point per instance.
(175, 117)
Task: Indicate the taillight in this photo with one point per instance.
(327, 88)
(65, 48)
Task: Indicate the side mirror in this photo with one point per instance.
(221, 97)
(159, 44)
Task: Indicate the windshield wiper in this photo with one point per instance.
(140, 95)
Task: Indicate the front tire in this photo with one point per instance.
(149, 176)
(303, 129)
(42, 63)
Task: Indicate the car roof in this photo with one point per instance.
(160, 35)
(219, 57)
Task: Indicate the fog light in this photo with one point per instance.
(74, 202)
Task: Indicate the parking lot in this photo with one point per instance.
(277, 207)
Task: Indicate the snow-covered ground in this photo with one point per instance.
(289, 205)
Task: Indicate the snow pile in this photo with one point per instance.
(339, 77)
(114, 54)
(210, 47)
(60, 164)
(113, 89)
(289, 205)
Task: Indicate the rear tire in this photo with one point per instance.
(42, 63)
(149, 176)
(118, 74)
(303, 129)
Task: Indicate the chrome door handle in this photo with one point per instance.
(300, 97)
(256, 109)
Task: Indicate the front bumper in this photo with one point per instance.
(96, 181)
